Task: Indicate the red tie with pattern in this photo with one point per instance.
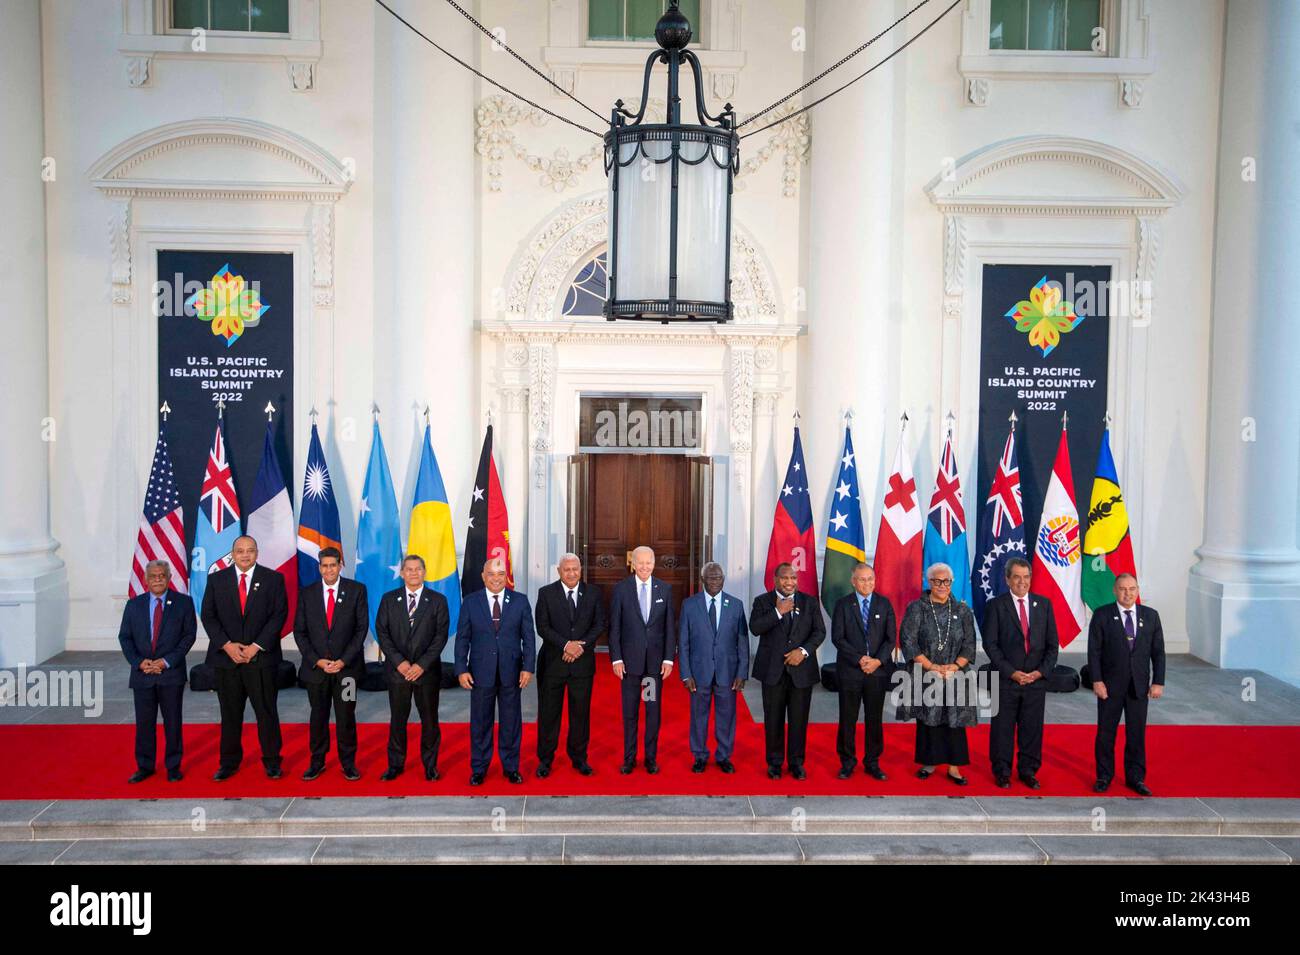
(496, 611)
(1024, 622)
(243, 592)
(329, 609)
(157, 625)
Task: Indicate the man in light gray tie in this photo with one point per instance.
(642, 644)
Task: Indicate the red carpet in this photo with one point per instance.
(93, 762)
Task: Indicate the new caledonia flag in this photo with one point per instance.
(1107, 546)
(431, 534)
(318, 518)
(488, 534)
(1058, 552)
(793, 539)
(845, 542)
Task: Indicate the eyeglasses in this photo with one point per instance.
(936, 582)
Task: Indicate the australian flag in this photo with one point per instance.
(1002, 531)
(793, 540)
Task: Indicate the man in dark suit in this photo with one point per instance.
(244, 609)
(1126, 659)
(863, 630)
(496, 655)
(412, 626)
(789, 628)
(713, 640)
(642, 643)
(157, 631)
(330, 630)
(1019, 634)
(570, 618)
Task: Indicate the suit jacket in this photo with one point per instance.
(1109, 659)
(261, 623)
(556, 629)
(713, 659)
(642, 646)
(422, 643)
(342, 641)
(777, 636)
(492, 656)
(1005, 643)
(852, 642)
(175, 637)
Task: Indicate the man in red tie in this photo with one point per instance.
(157, 631)
(330, 629)
(1019, 634)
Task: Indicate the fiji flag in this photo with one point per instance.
(431, 534)
(318, 518)
(1002, 531)
(379, 530)
(945, 527)
(846, 543)
(218, 523)
(793, 540)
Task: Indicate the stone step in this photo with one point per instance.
(469, 816)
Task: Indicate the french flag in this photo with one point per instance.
(271, 525)
(793, 540)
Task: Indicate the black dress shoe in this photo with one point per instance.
(959, 780)
(391, 773)
(774, 772)
(350, 773)
(726, 766)
(627, 767)
(312, 772)
(875, 772)
(140, 775)
(924, 773)
(583, 769)
(700, 765)
(651, 767)
(476, 779)
(846, 772)
(432, 775)
(515, 776)
(543, 770)
(1139, 788)
(798, 773)
(274, 773)
(1101, 785)
(223, 773)
(174, 775)
(1002, 782)
(1031, 782)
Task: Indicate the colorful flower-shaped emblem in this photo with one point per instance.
(228, 304)
(1045, 316)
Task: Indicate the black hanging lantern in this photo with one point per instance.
(670, 199)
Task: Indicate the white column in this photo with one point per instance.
(849, 357)
(1244, 592)
(33, 583)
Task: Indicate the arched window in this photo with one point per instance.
(588, 289)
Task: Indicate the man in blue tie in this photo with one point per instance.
(713, 645)
(863, 630)
(158, 629)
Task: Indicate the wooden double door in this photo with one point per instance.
(620, 501)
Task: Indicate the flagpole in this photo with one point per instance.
(270, 411)
(1065, 417)
(1012, 418)
(165, 410)
(221, 409)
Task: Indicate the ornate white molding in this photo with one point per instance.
(541, 401)
(792, 139)
(119, 240)
(322, 252)
(138, 70)
(741, 388)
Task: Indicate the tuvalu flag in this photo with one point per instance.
(488, 534)
(431, 534)
(1107, 546)
(1057, 549)
(793, 539)
(898, 543)
(845, 542)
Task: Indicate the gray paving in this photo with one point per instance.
(16, 817)
(1280, 817)
(681, 849)
(923, 849)
(204, 851)
(1291, 846)
(32, 853)
(872, 814)
(1086, 816)
(410, 815)
(641, 814)
(171, 818)
(497, 850)
(1163, 850)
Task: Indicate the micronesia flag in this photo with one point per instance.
(1002, 531)
(945, 526)
(218, 520)
(431, 533)
(270, 523)
(379, 529)
(793, 539)
(318, 518)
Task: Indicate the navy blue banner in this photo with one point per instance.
(225, 331)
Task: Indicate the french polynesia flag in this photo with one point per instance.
(488, 534)
(1058, 549)
(793, 540)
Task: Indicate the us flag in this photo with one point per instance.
(162, 525)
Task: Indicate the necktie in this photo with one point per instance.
(573, 605)
(645, 602)
(496, 611)
(157, 624)
(713, 613)
(1024, 621)
(1129, 630)
(243, 592)
(329, 609)
(410, 608)
(866, 613)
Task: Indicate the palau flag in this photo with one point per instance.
(945, 526)
(218, 520)
(270, 523)
(1002, 531)
(846, 543)
(793, 539)
(379, 529)
(431, 533)
(1107, 546)
(318, 518)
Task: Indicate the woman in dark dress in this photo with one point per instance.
(938, 637)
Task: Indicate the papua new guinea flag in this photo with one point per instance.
(793, 539)
(488, 534)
